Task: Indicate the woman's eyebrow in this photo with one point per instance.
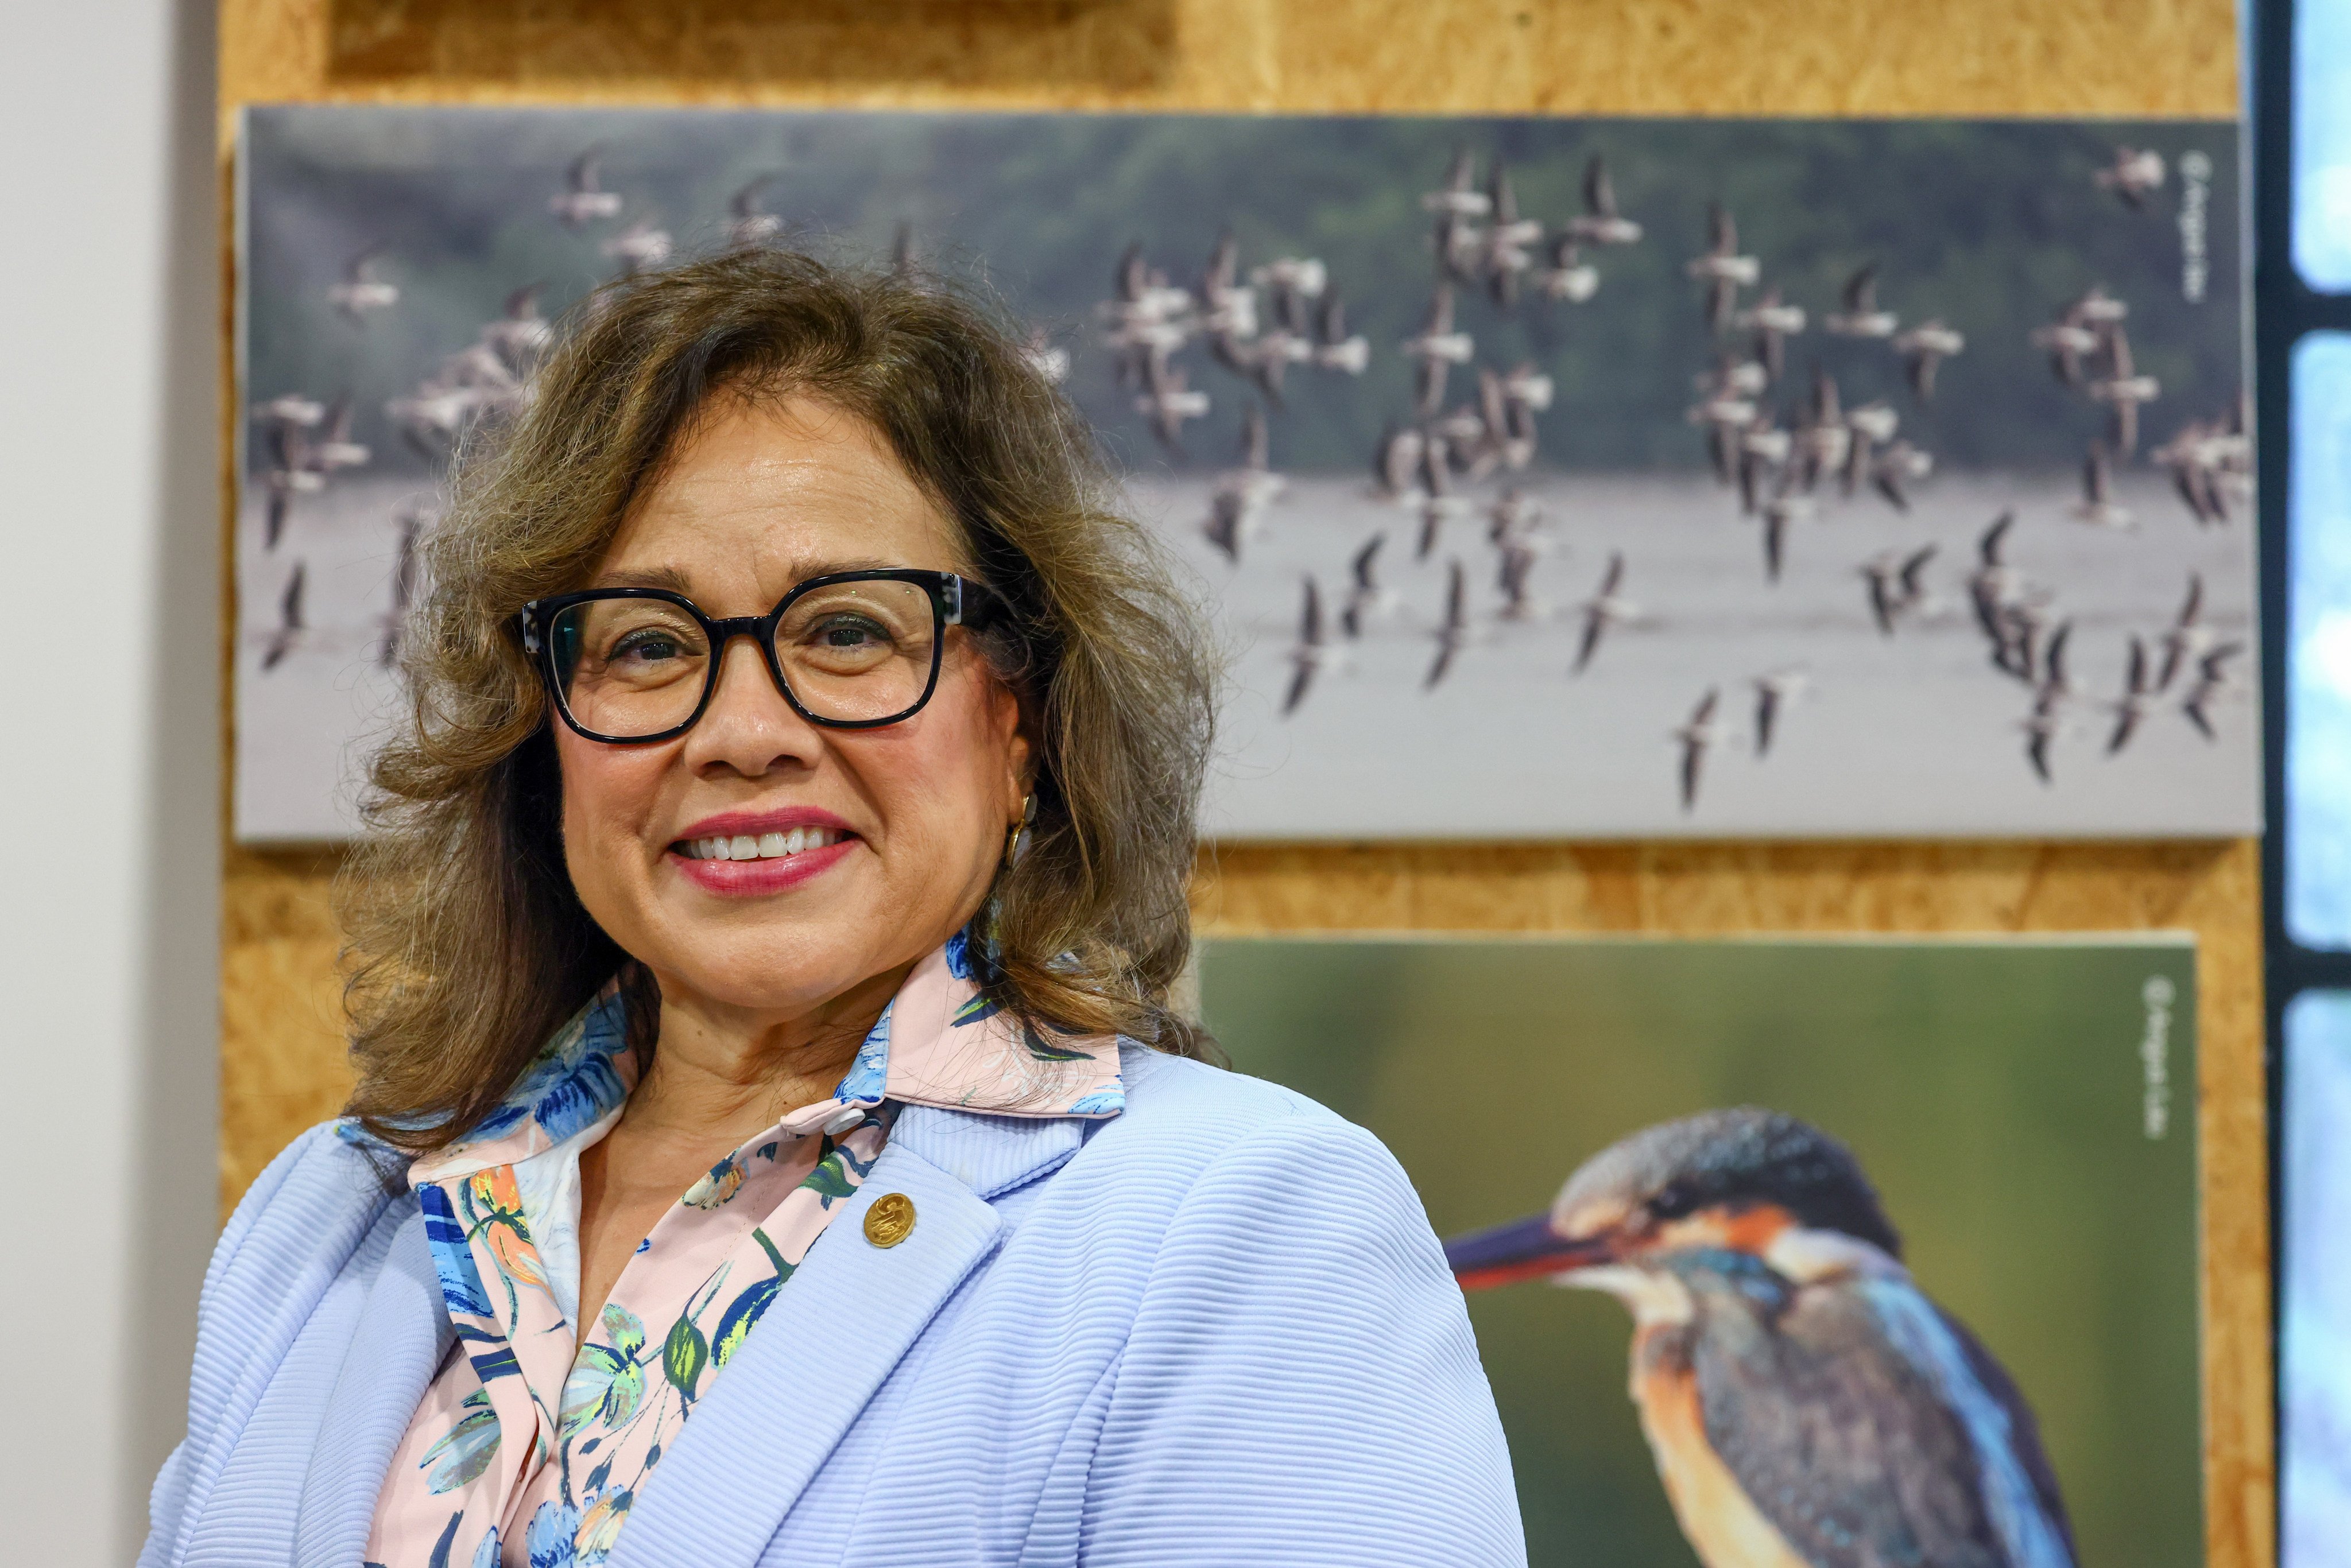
(668, 577)
(676, 582)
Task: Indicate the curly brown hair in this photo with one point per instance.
(466, 944)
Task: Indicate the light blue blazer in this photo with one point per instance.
(1215, 1329)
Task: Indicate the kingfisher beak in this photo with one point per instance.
(1525, 1249)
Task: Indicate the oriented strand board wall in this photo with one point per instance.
(281, 1062)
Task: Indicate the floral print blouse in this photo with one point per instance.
(535, 1438)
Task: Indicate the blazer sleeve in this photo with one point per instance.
(1300, 1384)
(212, 1378)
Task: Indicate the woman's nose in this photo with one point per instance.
(748, 726)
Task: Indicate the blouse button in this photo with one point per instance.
(891, 1219)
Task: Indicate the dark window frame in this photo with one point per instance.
(2285, 310)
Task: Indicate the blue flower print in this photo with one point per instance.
(486, 1555)
(1101, 1103)
(958, 954)
(453, 1258)
(871, 1072)
(549, 1541)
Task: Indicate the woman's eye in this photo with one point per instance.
(850, 634)
(647, 647)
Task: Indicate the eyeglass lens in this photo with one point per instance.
(855, 651)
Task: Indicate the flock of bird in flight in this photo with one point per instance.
(1778, 465)
(1286, 320)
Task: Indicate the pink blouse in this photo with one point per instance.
(533, 1439)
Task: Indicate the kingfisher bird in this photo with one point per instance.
(1807, 1405)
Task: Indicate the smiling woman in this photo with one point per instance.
(792, 824)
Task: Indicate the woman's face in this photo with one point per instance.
(910, 819)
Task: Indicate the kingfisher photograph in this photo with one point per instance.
(1564, 477)
(1791, 1253)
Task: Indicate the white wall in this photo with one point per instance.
(110, 756)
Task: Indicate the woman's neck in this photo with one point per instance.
(719, 1076)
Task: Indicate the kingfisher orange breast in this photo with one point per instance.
(1722, 1525)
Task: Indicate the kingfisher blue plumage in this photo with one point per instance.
(1807, 1405)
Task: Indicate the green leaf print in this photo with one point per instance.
(1045, 1051)
(602, 1385)
(829, 1179)
(464, 1451)
(735, 1322)
(684, 1355)
(625, 1329)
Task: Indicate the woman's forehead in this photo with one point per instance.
(788, 487)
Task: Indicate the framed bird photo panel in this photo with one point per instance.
(1892, 1244)
(1544, 478)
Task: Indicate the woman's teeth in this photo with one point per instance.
(764, 847)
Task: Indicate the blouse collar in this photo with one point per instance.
(940, 1042)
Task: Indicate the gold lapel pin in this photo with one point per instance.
(891, 1219)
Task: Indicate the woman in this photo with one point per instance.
(772, 1142)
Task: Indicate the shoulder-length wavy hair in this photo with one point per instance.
(466, 944)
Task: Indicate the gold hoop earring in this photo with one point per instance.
(1017, 834)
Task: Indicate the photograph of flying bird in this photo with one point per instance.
(643, 246)
(1600, 223)
(1861, 317)
(2187, 639)
(1457, 206)
(520, 335)
(1773, 321)
(1775, 694)
(1808, 1405)
(583, 199)
(1366, 596)
(359, 293)
(1721, 268)
(291, 623)
(1894, 471)
(2211, 681)
(748, 223)
(1896, 584)
(411, 519)
(1507, 248)
(1565, 275)
(2123, 388)
(1452, 632)
(1436, 347)
(2098, 506)
(1236, 506)
(1700, 731)
(1167, 400)
(1311, 652)
(1924, 348)
(2135, 175)
(2137, 695)
(1607, 609)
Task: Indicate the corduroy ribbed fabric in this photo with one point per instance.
(1215, 1329)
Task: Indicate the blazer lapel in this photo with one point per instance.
(847, 1317)
(402, 1334)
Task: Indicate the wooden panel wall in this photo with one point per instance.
(281, 1054)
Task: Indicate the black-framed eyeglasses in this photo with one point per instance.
(850, 651)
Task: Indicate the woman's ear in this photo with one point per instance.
(1020, 753)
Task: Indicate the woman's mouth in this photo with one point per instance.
(759, 846)
(745, 865)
